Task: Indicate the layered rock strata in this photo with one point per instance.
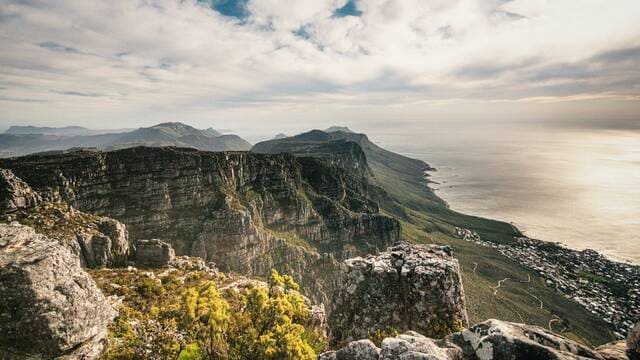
(246, 212)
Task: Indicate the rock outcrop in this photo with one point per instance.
(104, 244)
(492, 339)
(153, 253)
(97, 240)
(407, 287)
(633, 343)
(246, 212)
(49, 306)
(495, 339)
(15, 194)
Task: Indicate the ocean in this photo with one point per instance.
(579, 187)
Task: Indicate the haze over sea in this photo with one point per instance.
(577, 186)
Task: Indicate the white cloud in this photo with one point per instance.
(132, 58)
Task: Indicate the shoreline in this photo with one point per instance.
(527, 233)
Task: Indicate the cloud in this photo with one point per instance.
(134, 58)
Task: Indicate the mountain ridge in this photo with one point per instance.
(24, 140)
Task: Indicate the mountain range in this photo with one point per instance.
(22, 140)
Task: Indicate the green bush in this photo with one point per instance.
(195, 320)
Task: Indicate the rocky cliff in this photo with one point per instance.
(49, 306)
(98, 241)
(246, 212)
(15, 194)
(407, 287)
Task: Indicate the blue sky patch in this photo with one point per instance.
(349, 9)
(233, 8)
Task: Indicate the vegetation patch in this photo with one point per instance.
(173, 314)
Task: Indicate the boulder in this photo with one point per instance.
(355, 350)
(412, 345)
(408, 287)
(633, 343)
(153, 253)
(106, 246)
(15, 194)
(489, 340)
(495, 339)
(49, 306)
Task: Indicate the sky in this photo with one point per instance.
(252, 65)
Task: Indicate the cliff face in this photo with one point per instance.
(246, 212)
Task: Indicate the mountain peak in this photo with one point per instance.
(338, 128)
(173, 125)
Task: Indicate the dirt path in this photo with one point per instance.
(537, 298)
(500, 282)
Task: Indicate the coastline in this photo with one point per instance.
(524, 229)
(603, 285)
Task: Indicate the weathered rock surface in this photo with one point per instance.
(492, 339)
(153, 253)
(106, 244)
(247, 212)
(49, 306)
(495, 339)
(98, 241)
(407, 287)
(633, 343)
(613, 351)
(355, 350)
(15, 193)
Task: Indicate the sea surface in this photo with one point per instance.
(580, 187)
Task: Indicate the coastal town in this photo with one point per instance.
(606, 288)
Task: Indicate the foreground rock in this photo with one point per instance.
(492, 339)
(153, 253)
(633, 343)
(49, 306)
(495, 339)
(616, 350)
(408, 287)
